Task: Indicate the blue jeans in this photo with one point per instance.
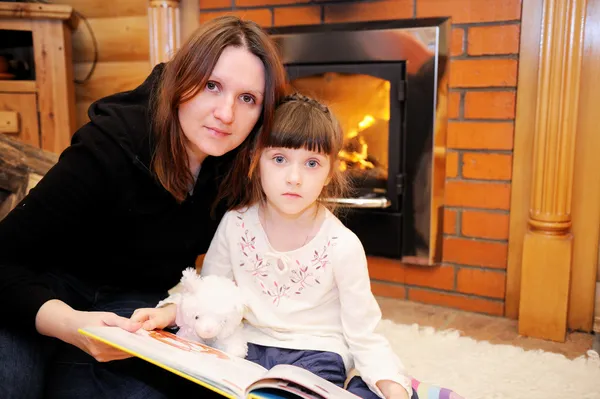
(327, 365)
(33, 366)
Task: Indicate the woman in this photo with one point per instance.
(128, 205)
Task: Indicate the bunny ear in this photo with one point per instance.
(190, 279)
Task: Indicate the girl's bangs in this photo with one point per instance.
(301, 127)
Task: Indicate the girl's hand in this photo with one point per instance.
(392, 390)
(57, 319)
(155, 318)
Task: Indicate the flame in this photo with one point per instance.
(367, 121)
(359, 158)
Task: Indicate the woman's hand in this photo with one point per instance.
(392, 390)
(57, 319)
(155, 318)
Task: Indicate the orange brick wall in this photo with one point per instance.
(483, 80)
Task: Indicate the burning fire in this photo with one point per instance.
(353, 155)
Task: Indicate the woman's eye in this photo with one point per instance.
(210, 85)
(278, 159)
(248, 99)
(312, 163)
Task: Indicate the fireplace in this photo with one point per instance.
(386, 81)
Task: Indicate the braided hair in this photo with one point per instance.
(302, 98)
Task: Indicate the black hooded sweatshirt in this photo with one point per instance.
(101, 215)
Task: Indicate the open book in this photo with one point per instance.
(230, 376)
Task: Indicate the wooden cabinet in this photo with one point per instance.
(43, 106)
(19, 118)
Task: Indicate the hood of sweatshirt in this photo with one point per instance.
(126, 118)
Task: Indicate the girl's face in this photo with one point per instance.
(292, 179)
(223, 113)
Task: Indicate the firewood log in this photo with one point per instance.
(21, 167)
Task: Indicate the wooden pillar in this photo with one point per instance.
(164, 25)
(54, 81)
(190, 17)
(548, 243)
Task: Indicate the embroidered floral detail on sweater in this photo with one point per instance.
(301, 275)
(247, 243)
(277, 292)
(320, 258)
(256, 266)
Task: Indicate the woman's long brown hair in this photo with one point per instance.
(184, 76)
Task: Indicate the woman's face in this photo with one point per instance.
(222, 114)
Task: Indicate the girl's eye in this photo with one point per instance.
(312, 163)
(248, 99)
(211, 86)
(278, 159)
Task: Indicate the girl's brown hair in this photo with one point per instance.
(184, 76)
(301, 122)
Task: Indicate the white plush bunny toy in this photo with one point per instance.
(210, 311)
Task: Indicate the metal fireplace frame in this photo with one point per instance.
(344, 48)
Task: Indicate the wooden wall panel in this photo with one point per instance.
(81, 109)
(121, 32)
(586, 184)
(107, 9)
(109, 78)
(119, 39)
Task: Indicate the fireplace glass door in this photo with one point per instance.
(367, 101)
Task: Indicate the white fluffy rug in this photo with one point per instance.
(480, 370)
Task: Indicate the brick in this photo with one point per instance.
(441, 277)
(386, 269)
(297, 16)
(483, 73)
(259, 3)
(469, 11)
(392, 271)
(488, 40)
(457, 301)
(486, 166)
(475, 253)
(260, 16)
(454, 105)
(388, 290)
(490, 104)
(452, 164)
(368, 11)
(450, 218)
(483, 224)
(480, 135)
(207, 4)
(468, 194)
(479, 282)
(457, 46)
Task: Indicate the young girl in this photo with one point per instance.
(304, 274)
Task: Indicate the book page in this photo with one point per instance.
(211, 368)
(300, 379)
